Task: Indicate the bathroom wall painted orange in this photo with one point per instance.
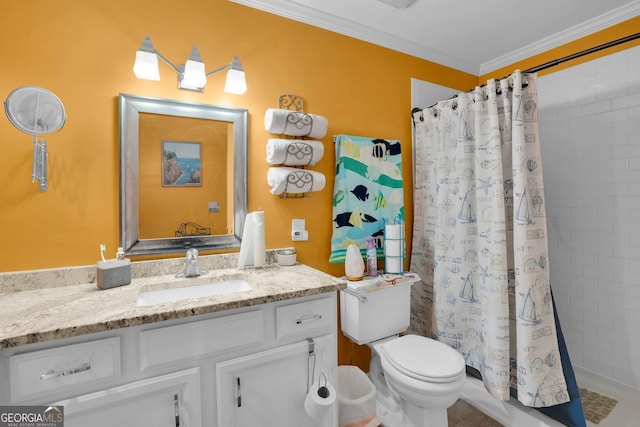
(84, 51)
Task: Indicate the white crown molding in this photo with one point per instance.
(398, 4)
(323, 20)
(601, 22)
(317, 18)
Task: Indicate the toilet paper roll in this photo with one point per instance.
(317, 404)
(393, 265)
(393, 247)
(393, 231)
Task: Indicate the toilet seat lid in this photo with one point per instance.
(424, 359)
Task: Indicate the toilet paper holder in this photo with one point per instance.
(311, 363)
(320, 399)
(323, 390)
(321, 396)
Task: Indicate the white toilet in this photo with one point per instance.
(416, 378)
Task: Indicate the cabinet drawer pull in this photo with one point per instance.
(56, 374)
(308, 319)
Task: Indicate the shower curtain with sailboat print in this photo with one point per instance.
(479, 239)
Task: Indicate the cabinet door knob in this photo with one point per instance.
(56, 374)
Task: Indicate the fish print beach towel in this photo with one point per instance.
(367, 192)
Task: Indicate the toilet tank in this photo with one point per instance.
(376, 308)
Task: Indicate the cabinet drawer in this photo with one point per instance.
(42, 371)
(299, 320)
(204, 337)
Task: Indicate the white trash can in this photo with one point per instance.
(356, 398)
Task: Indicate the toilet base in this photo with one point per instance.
(410, 416)
(423, 417)
(386, 416)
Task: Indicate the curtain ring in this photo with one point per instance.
(454, 105)
(417, 114)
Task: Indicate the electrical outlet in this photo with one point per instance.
(298, 233)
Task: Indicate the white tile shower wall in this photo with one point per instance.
(590, 137)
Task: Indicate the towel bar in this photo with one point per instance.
(361, 298)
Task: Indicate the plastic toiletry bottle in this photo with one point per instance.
(372, 258)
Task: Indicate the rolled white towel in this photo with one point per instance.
(294, 152)
(295, 123)
(292, 180)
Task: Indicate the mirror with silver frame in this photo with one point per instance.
(160, 215)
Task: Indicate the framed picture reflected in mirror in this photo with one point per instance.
(181, 164)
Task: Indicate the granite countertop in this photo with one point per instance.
(49, 305)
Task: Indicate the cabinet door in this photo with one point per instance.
(170, 400)
(269, 388)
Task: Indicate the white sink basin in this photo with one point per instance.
(159, 296)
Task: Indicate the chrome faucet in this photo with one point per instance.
(192, 269)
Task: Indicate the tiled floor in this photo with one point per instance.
(464, 415)
(625, 413)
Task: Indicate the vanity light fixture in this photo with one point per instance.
(191, 75)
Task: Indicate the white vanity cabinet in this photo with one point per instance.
(169, 400)
(189, 372)
(273, 384)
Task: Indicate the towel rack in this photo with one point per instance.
(288, 101)
(300, 151)
(299, 180)
(295, 104)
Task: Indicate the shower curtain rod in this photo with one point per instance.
(582, 53)
(563, 59)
